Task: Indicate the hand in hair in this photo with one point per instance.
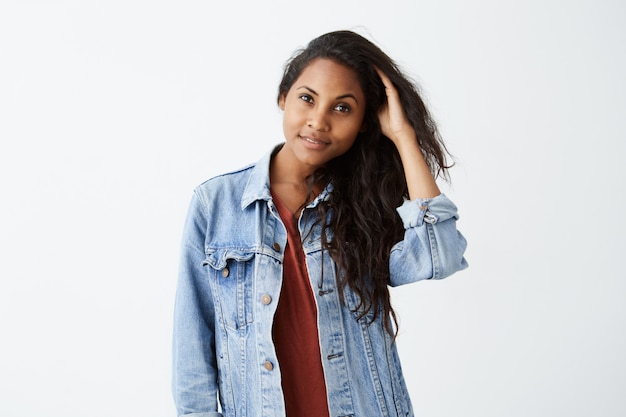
(395, 125)
(393, 122)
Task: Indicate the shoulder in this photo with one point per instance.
(227, 178)
(231, 181)
(239, 187)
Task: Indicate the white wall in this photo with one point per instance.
(111, 112)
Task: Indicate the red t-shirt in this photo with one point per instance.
(295, 331)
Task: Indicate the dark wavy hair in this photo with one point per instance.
(368, 181)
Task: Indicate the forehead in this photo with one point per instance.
(329, 76)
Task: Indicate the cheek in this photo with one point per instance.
(355, 128)
(349, 141)
(288, 119)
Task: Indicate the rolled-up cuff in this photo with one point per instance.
(430, 210)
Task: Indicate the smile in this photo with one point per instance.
(313, 141)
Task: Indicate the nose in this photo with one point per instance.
(317, 120)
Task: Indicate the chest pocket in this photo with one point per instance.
(231, 273)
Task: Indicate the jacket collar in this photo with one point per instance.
(258, 186)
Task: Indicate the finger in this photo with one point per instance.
(383, 77)
(389, 87)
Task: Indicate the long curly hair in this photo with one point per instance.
(359, 219)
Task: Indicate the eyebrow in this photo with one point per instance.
(348, 95)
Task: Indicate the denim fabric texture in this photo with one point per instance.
(224, 362)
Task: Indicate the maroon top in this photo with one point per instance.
(295, 330)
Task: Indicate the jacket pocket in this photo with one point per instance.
(231, 272)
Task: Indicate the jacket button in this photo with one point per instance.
(225, 272)
(268, 365)
(276, 247)
(266, 299)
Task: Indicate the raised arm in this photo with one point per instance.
(396, 127)
(432, 247)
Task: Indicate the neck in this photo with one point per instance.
(289, 182)
(284, 170)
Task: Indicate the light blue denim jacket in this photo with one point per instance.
(228, 289)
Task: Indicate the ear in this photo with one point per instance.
(281, 102)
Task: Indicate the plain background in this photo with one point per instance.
(111, 112)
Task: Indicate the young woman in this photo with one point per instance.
(282, 305)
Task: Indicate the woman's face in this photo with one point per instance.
(323, 113)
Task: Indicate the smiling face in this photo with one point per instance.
(323, 114)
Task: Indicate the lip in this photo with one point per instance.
(313, 141)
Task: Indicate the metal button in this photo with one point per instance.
(268, 365)
(266, 299)
(276, 247)
(225, 272)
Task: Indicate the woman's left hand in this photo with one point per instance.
(393, 121)
(395, 125)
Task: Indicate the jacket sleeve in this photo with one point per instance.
(194, 373)
(432, 247)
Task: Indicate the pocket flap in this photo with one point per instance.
(217, 258)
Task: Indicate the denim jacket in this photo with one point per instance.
(229, 284)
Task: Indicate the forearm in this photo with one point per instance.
(432, 247)
(419, 179)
